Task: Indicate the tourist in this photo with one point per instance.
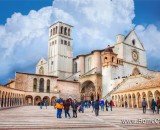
(66, 108)
(82, 104)
(74, 106)
(40, 104)
(158, 105)
(153, 105)
(96, 107)
(106, 103)
(46, 103)
(102, 104)
(59, 106)
(144, 104)
(93, 106)
(111, 104)
(125, 103)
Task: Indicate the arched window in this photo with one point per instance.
(41, 70)
(34, 85)
(136, 71)
(41, 87)
(51, 33)
(89, 63)
(133, 42)
(69, 43)
(62, 30)
(69, 31)
(48, 86)
(105, 59)
(112, 59)
(65, 31)
(56, 29)
(75, 67)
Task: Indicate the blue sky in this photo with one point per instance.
(24, 28)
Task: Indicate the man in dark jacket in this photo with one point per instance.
(144, 104)
(158, 105)
(153, 105)
(74, 106)
(96, 107)
(66, 108)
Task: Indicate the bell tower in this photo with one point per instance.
(60, 54)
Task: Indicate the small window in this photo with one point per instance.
(68, 43)
(52, 43)
(52, 63)
(65, 42)
(61, 41)
(133, 42)
(41, 62)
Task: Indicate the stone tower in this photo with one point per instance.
(60, 55)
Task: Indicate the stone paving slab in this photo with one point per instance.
(31, 117)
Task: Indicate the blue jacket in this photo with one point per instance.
(96, 105)
(102, 102)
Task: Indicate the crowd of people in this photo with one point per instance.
(68, 104)
(96, 105)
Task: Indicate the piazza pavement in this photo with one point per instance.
(32, 117)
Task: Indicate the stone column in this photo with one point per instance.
(132, 101)
(128, 102)
(147, 100)
(137, 102)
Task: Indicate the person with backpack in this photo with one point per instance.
(111, 104)
(59, 106)
(102, 104)
(66, 108)
(153, 105)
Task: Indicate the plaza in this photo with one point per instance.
(32, 117)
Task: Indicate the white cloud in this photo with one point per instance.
(24, 38)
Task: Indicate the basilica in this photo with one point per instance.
(118, 72)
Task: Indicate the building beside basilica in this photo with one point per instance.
(119, 71)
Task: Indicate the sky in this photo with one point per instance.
(24, 29)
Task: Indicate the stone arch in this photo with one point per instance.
(41, 85)
(46, 98)
(65, 31)
(129, 100)
(88, 87)
(37, 100)
(136, 71)
(122, 101)
(139, 101)
(134, 100)
(61, 29)
(157, 94)
(119, 101)
(150, 97)
(29, 100)
(53, 99)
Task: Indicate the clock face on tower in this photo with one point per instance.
(135, 55)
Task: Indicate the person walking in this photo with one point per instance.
(144, 104)
(106, 104)
(111, 104)
(96, 107)
(93, 106)
(75, 106)
(40, 104)
(66, 108)
(102, 104)
(46, 103)
(125, 103)
(59, 106)
(153, 105)
(82, 104)
(158, 105)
